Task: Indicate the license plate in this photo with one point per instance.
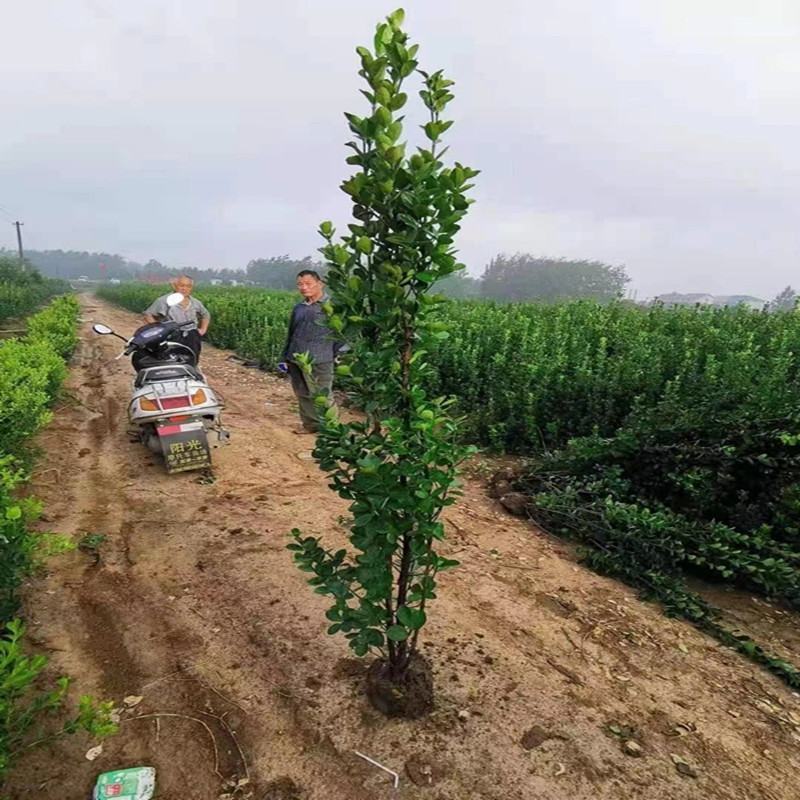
(185, 447)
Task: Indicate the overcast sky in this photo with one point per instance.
(659, 134)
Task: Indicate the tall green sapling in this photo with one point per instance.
(397, 467)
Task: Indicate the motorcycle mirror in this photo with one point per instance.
(174, 299)
(98, 327)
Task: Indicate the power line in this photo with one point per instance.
(6, 212)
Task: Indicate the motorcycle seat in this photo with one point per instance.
(167, 373)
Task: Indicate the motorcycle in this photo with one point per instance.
(172, 408)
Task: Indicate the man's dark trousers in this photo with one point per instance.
(306, 387)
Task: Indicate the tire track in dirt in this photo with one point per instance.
(98, 509)
(195, 605)
(123, 627)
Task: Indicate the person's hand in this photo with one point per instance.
(283, 366)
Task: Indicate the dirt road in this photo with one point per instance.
(195, 606)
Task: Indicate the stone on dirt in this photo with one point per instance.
(515, 503)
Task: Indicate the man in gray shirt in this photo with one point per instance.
(309, 333)
(190, 310)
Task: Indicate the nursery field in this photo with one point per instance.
(515, 550)
(545, 672)
(530, 376)
(666, 441)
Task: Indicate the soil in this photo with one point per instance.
(542, 669)
(410, 698)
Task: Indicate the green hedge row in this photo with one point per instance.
(251, 321)
(22, 291)
(530, 377)
(32, 370)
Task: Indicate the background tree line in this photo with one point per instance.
(506, 277)
(521, 276)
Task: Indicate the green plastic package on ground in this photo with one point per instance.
(137, 783)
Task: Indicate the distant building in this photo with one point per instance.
(740, 300)
(693, 299)
(678, 299)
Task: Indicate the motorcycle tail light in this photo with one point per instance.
(146, 404)
(199, 397)
(179, 401)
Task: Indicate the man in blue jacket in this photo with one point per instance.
(309, 333)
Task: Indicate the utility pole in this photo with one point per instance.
(18, 225)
